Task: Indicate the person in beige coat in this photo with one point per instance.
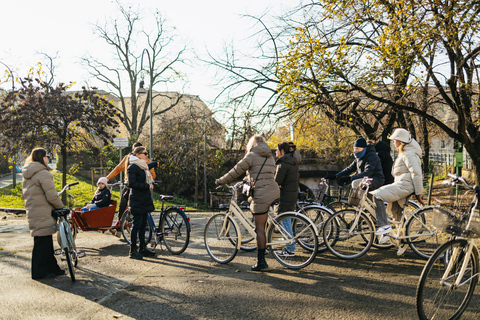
(258, 153)
(40, 199)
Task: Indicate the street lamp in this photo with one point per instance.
(14, 169)
(142, 90)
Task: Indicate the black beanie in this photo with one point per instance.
(360, 143)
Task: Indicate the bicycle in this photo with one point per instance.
(350, 233)
(67, 241)
(449, 278)
(223, 238)
(173, 227)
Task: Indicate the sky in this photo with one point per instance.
(30, 27)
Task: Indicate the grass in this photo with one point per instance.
(79, 195)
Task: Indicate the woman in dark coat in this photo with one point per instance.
(140, 182)
(383, 152)
(287, 176)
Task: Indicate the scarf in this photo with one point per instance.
(359, 155)
(143, 165)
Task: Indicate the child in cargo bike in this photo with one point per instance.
(102, 197)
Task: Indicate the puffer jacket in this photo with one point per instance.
(407, 172)
(287, 177)
(40, 199)
(140, 201)
(266, 189)
(368, 166)
(102, 198)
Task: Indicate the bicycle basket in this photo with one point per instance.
(220, 199)
(356, 194)
(447, 222)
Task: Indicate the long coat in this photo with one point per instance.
(287, 177)
(266, 189)
(368, 166)
(141, 201)
(383, 152)
(407, 172)
(40, 198)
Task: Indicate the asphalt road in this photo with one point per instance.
(109, 285)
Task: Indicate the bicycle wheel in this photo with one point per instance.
(73, 228)
(220, 237)
(72, 249)
(345, 240)
(68, 257)
(319, 217)
(437, 295)
(422, 237)
(304, 236)
(126, 225)
(67, 248)
(338, 206)
(175, 230)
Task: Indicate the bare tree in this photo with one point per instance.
(123, 71)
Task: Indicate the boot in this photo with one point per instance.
(261, 263)
(134, 254)
(146, 252)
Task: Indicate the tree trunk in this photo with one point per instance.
(63, 151)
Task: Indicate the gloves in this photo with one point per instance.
(89, 205)
(344, 180)
(331, 176)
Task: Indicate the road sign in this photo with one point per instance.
(120, 142)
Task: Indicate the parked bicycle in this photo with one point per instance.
(350, 233)
(449, 278)
(66, 238)
(173, 227)
(223, 237)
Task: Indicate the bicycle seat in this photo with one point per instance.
(166, 198)
(63, 212)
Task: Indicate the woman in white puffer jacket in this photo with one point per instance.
(407, 172)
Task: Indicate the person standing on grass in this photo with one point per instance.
(41, 198)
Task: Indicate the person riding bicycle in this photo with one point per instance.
(124, 197)
(287, 176)
(41, 198)
(102, 197)
(407, 172)
(258, 159)
(140, 182)
(366, 164)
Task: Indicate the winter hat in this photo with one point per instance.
(401, 134)
(360, 143)
(102, 180)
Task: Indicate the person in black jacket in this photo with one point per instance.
(287, 176)
(383, 152)
(140, 182)
(102, 197)
(366, 164)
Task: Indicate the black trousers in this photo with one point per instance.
(43, 257)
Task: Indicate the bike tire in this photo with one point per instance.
(435, 298)
(319, 217)
(304, 236)
(68, 258)
(126, 224)
(343, 243)
(175, 230)
(249, 243)
(417, 229)
(218, 240)
(72, 249)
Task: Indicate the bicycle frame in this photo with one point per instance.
(236, 211)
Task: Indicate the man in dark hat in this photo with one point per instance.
(366, 164)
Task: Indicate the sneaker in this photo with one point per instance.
(260, 266)
(383, 239)
(286, 253)
(401, 250)
(383, 230)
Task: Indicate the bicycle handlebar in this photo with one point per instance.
(67, 187)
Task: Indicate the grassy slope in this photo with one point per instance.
(82, 193)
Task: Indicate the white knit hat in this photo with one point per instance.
(401, 134)
(102, 180)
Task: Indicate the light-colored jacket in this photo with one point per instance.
(407, 174)
(266, 188)
(40, 199)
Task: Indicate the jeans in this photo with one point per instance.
(92, 208)
(287, 224)
(381, 212)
